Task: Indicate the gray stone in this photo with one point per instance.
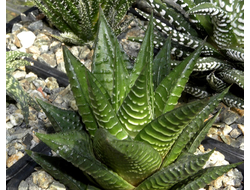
(227, 129)
(83, 52)
(39, 83)
(42, 39)
(31, 76)
(26, 38)
(51, 83)
(24, 18)
(42, 179)
(41, 115)
(16, 26)
(37, 25)
(235, 133)
(11, 108)
(32, 16)
(44, 49)
(9, 125)
(61, 67)
(34, 50)
(47, 59)
(74, 50)
(55, 45)
(36, 94)
(12, 150)
(16, 119)
(229, 117)
(19, 75)
(23, 185)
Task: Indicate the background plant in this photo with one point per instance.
(13, 88)
(134, 137)
(78, 19)
(222, 61)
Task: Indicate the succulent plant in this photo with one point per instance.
(189, 22)
(133, 137)
(13, 88)
(78, 19)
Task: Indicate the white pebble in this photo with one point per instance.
(26, 38)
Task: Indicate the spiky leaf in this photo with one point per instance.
(61, 120)
(76, 147)
(60, 170)
(133, 160)
(103, 111)
(169, 90)
(204, 177)
(162, 132)
(161, 67)
(174, 173)
(192, 128)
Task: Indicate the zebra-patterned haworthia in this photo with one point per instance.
(182, 38)
(216, 83)
(233, 76)
(78, 19)
(233, 101)
(116, 160)
(196, 91)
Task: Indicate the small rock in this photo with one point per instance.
(11, 108)
(26, 38)
(242, 146)
(42, 39)
(32, 15)
(34, 50)
(88, 64)
(48, 59)
(73, 105)
(241, 127)
(226, 138)
(58, 100)
(236, 176)
(44, 49)
(61, 67)
(218, 182)
(14, 158)
(39, 83)
(19, 75)
(16, 119)
(229, 188)
(23, 185)
(229, 117)
(57, 186)
(41, 115)
(59, 56)
(83, 52)
(31, 76)
(235, 133)
(12, 150)
(227, 129)
(24, 18)
(36, 94)
(51, 83)
(15, 27)
(42, 179)
(55, 45)
(38, 25)
(74, 51)
(16, 41)
(9, 125)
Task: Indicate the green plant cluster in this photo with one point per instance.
(133, 137)
(222, 58)
(13, 88)
(77, 19)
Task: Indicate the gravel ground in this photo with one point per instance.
(32, 35)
